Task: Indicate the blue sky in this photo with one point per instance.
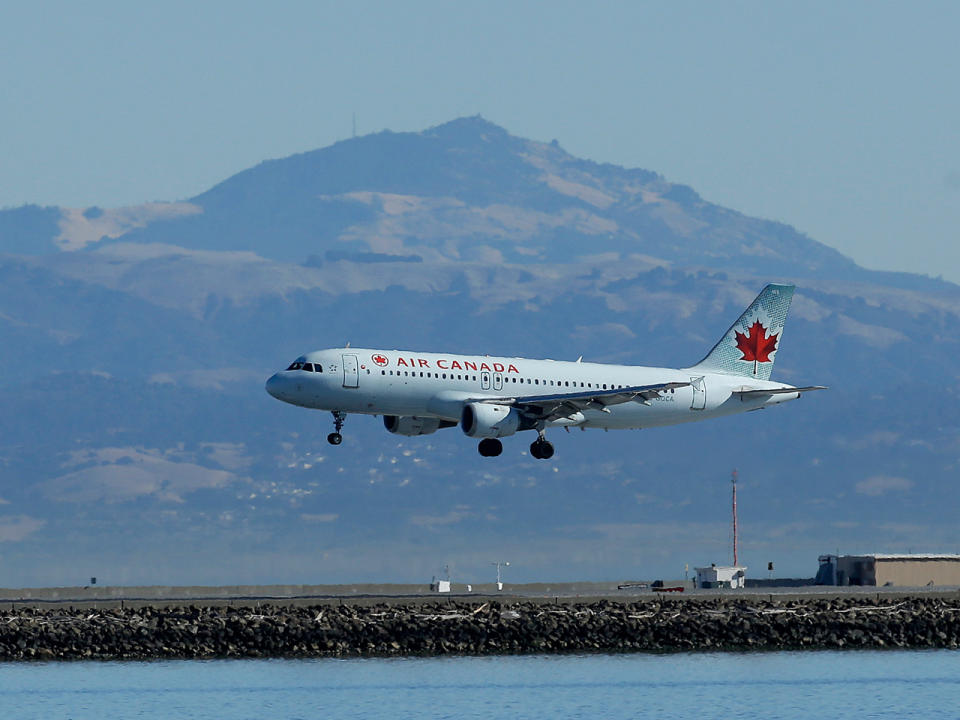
(840, 119)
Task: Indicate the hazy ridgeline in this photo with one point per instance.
(137, 444)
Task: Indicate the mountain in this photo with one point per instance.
(137, 444)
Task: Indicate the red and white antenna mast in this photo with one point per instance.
(733, 479)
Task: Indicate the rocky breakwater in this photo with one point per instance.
(477, 628)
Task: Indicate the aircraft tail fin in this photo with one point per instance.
(750, 345)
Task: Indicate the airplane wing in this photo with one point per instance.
(561, 405)
(746, 392)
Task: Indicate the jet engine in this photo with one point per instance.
(483, 420)
(411, 425)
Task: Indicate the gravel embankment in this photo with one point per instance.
(477, 628)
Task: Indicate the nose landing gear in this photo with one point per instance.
(335, 438)
(490, 447)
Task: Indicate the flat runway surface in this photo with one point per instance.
(103, 596)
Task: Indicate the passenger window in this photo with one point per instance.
(536, 382)
(604, 386)
(383, 372)
(444, 376)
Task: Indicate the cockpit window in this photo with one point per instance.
(305, 366)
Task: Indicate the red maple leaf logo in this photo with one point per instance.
(380, 360)
(756, 346)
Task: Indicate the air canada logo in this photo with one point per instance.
(380, 360)
(755, 345)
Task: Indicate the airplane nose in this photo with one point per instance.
(274, 386)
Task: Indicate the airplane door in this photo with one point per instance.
(485, 381)
(497, 381)
(699, 386)
(351, 373)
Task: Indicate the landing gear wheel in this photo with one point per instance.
(335, 438)
(541, 449)
(490, 447)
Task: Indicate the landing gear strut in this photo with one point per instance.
(541, 448)
(335, 438)
(490, 447)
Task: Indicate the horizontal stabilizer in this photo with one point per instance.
(745, 392)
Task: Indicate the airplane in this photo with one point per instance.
(490, 398)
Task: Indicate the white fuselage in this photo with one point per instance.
(407, 383)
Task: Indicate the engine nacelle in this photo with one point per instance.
(410, 425)
(483, 420)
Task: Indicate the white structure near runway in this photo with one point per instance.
(721, 576)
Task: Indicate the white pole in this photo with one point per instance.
(499, 580)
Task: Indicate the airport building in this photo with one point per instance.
(721, 576)
(889, 570)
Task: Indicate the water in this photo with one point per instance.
(888, 684)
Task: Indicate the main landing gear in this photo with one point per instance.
(490, 447)
(541, 448)
(335, 438)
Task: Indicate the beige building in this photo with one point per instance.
(889, 570)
